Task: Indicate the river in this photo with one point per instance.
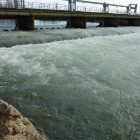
(78, 84)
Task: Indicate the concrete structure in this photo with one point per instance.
(25, 17)
(77, 22)
(133, 22)
(25, 22)
(111, 22)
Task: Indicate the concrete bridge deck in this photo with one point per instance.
(25, 17)
(13, 13)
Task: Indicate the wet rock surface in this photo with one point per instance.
(39, 129)
(13, 126)
(3, 107)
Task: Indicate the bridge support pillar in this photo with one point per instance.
(133, 22)
(25, 22)
(77, 22)
(111, 22)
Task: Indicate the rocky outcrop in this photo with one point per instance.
(39, 129)
(14, 126)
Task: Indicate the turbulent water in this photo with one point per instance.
(80, 89)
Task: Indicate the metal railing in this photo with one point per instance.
(47, 6)
(20, 4)
(12, 4)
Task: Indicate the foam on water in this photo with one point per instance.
(80, 89)
(9, 39)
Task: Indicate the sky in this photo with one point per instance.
(118, 2)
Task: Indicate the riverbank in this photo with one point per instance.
(14, 126)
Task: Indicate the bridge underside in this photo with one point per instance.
(115, 22)
(133, 22)
(25, 18)
(77, 22)
(25, 23)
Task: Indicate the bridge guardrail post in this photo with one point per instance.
(19, 4)
(31, 5)
(28, 4)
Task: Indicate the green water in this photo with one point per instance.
(82, 89)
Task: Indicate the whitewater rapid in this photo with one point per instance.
(9, 39)
(76, 89)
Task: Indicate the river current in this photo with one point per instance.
(77, 84)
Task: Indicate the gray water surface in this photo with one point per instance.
(9, 39)
(80, 89)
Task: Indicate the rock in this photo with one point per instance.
(20, 137)
(13, 112)
(39, 129)
(19, 128)
(3, 107)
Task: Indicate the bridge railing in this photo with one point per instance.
(10, 4)
(89, 9)
(100, 10)
(47, 6)
(20, 4)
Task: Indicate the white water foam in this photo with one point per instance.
(84, 87)
(9, 39)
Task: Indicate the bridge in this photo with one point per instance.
(25, 13)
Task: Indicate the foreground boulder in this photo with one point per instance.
(13, 126)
